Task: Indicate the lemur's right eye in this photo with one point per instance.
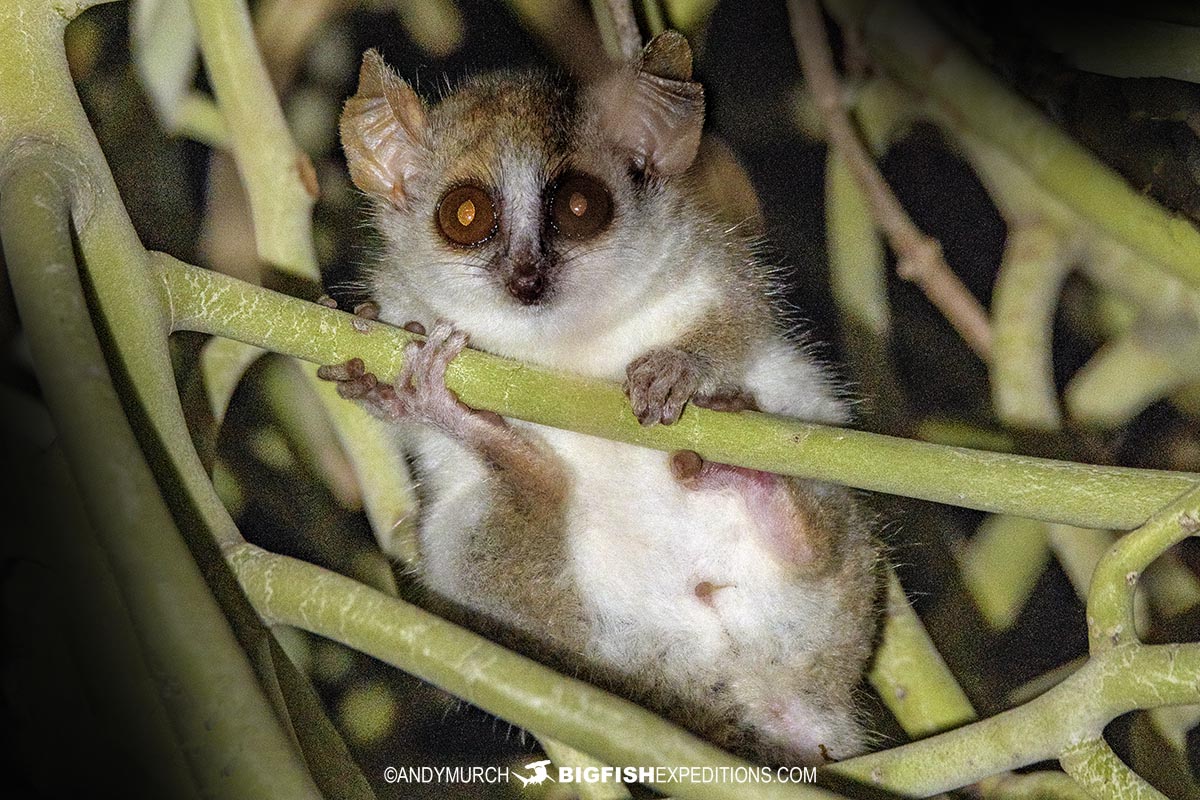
(466, 215)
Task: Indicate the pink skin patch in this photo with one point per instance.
(778, 519)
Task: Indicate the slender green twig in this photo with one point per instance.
(277, 175)
(1078, 494)
(910, 675)
(1023, 303)
(902, 39)
(1111, 598)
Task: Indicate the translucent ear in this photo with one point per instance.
(383, 131)
(654, 110)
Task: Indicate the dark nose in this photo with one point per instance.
(527, 283)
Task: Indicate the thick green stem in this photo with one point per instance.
(292, 592)
(229, 733)
(1078, 494)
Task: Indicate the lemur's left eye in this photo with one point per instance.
(580, 206)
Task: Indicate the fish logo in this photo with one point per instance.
(540, 774)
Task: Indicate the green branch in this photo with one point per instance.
(1111, 597)
(1023, 303)
(225, 727)
(515, 688)
(1078, 494)
(910, 675)
(1110, 684)
(1096, 768)
(278, 177)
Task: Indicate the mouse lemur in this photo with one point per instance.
(556, 223)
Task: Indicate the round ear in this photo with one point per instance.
(383, 129)
(653, 109)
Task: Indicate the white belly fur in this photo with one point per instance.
(639, 543)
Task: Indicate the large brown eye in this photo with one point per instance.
(580, 206)
(467, 215)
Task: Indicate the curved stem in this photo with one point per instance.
(1111, 683)
(1111, 621)
(1096, 768)
(209, 690)
(515, 688)
(1031, 276)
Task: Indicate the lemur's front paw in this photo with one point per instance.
(422, 381)
(355, 383)
(420, 392)
(660, 383)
